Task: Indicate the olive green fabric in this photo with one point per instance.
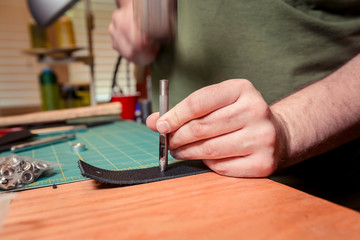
(279, 45)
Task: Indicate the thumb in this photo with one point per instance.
(151, 121)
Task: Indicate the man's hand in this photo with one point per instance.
(236, 133)
(127, 38)
(228, 125)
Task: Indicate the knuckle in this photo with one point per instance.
(271, 140)
(197, 129)
(263, 108)
(221, 170)
(260, 104)
(236, 85)
(268, 135)
(218, 167)
(209, 150)
(115, 16)
(173, 144)
(176, 117)
(175, 140)
(194, 104)
(265, 168)
(242, 83)
(263, 140)
(233, 82)
(260, 109)
(196, 101)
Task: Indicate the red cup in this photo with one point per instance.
(128, 103)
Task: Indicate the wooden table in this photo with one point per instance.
(205, 206)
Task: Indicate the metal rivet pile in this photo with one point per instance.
(16, 171)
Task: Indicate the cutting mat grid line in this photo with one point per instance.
(122, 145)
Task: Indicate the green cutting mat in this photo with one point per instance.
(121, 145)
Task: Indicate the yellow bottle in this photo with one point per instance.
(65, 32)
(37, 36)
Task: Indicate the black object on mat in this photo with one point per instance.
(145, 175)
(13, 138)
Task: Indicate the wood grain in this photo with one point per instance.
(113, 108)
(205, 206)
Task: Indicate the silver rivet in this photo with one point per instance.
(27, 177)
(78, 147)
(25, 165)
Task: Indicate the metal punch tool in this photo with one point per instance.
(40, 142)
(163, 139)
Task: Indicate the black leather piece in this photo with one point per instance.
(146, 175)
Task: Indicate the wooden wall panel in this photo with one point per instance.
(18, 72)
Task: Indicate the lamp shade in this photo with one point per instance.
(45, 12)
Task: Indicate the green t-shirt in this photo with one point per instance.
(279, 45)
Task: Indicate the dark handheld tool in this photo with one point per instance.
(12, 138)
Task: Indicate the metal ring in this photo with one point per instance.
(4, 180)
(4, 183)
(6, 171)
(15, 161)
(41, 165)
(25, 165)
(78, 147)
(27, 177)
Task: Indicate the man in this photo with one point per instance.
(301, 98)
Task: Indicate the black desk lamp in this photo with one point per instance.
(46, 12)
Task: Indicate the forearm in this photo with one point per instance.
(321, 116)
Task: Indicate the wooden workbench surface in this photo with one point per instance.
(205, 206)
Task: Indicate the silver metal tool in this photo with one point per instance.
(163, 139)
(40, 142)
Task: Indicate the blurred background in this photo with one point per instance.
(24, 59)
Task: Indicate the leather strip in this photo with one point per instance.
(145, 175)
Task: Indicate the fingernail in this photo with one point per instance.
(163, 127)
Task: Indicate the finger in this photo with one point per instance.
(120, 40)
(257, 165)
(246, 111)
(238, 143)
(114, 39)
(228, 145)
(151, 121)
(201, 103)
(222, 121)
